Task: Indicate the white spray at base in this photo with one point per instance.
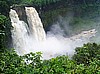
(32, 37)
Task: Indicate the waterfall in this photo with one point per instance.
(35, 24)
(19, 32)
(31, 37)
(23, 35)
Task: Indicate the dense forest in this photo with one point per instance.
(86, 59)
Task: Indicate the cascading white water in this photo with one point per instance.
(24, 35)
(19, 33)
(32, 37)
(35, 24)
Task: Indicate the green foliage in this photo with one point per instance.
(11, 63)
(87, 53)
(58, 65)
(2, 22)
(85, 61)
(2, 30)
(5, 24)
(28, 2)
(86, 3)
(4, 7)
(37, 2)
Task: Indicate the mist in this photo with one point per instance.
(56, 42)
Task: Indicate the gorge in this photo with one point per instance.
(31, 37)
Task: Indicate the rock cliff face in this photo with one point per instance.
(21, 13)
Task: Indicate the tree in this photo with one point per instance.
(2, 30)
(87, 53)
